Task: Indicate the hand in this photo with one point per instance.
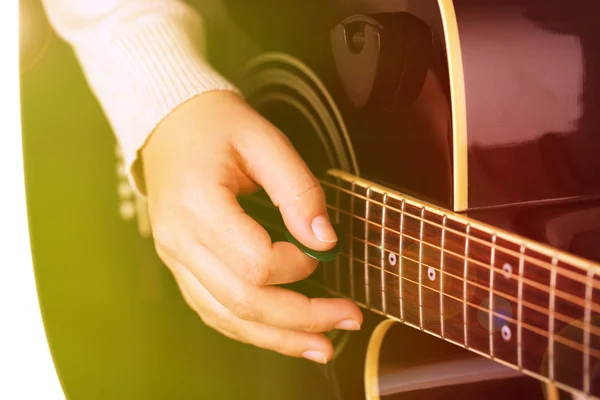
(199, 159)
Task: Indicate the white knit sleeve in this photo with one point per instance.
(142, 58)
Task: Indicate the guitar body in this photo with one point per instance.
(479, 114)
(484, 108)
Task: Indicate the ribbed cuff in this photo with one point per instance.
(143, 73)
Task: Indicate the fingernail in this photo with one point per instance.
(315, 356)
(348, 325)
(323, 230)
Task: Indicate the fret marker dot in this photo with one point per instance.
(431, 274)
(392, 259)
(506, 333)
(507, 268)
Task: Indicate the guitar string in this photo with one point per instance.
(546, 265)
(559, 339)
(535, 285)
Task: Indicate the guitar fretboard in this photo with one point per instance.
(504, 297)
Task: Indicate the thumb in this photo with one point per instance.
(271, 160)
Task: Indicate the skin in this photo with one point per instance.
(200, 158)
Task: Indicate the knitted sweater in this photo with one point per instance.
(141, 58)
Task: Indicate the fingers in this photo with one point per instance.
(200, 299)
(271, 160)
(289, 264)
(313, 346)
(269, 305)
(243, 245)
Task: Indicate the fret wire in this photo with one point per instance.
(442, 276)
(491, 301)
(351, 247)
(520, 309)
(401, 261)
(587, 317)
(367, 286)
(337, 221)
(529, 282)
(383, 297)
(552, 301)
(421, 269)
(543, 264)
(465, 309)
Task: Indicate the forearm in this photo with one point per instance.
(142, 58)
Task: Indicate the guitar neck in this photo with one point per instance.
(502, 296)
(521, 303)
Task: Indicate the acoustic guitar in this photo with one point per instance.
(457, 143)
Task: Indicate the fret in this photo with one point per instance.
(430, 259)
(390, 237)
(382, 261)
(520, 309)
(373, 257)
(537, 345)
(351, 241)
(421, 268)
(342, 266)
(504, 299)
(366, 249)
(552, 301)
(412, 297)
(442, 318)
(455, 297)
(564, 363)
(476, 275)
(401, 259)
(465, 280)
(491, 300)
(586, 329)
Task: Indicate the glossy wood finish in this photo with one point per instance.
(532, 91)
(403, 140)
